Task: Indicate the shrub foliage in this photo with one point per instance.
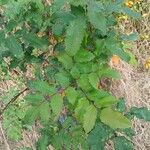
(69, 43)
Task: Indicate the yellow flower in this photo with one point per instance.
(129, 3)
(147, 64)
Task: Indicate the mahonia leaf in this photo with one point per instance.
(105, 102)
(56, 104)
(88, 121)
(141, 113)
(74, 36)
(122, 143)
(114, 119)
(71, 94)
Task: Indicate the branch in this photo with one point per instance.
(12, 101)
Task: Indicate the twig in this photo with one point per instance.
(12, 101)
(4, 137)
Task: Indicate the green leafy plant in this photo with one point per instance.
(69, 43)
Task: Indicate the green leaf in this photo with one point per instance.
(114, 6)
(71, 94)
(85, 68)
(88, 121)
(74, 36)
(122, 143)
(97, 94)
(121, 53)
(13, 9)
(100, 46)
(114, 119)
(130, 37)
(36, 42)
(133, 61)
(141, 113)
(61, 139)
(131, 13)
(75, 72)
(83, 56)
(98, 136)
(57, 5)
(31, 115)
(80, 110)
(96, 17)
(77, 2)
(129, 132)
(56, 104)
(41, 86)
(105, 102)
(109, 73)
(121, 107)
(34, 99)
(83, 82)
(42, 143)
(63, 79)
(94, 80)
(115, 48)
(44, 112)
(14, 47)
(66, 60)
